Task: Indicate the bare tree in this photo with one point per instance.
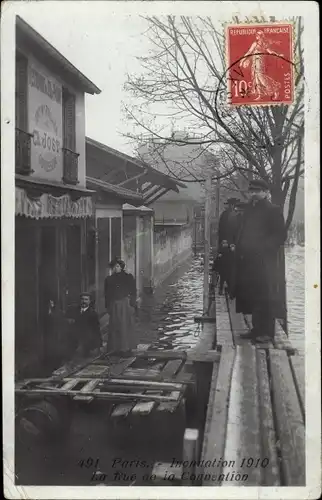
(184, 73)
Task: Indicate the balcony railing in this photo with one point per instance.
(23, 147)
(70, 170)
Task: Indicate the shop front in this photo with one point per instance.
(50, 264)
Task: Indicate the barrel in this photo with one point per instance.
(39, 421)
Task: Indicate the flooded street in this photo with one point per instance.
(173, 327)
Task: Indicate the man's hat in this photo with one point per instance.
(232, 201)
(86, 294)
(258, 185)
(241, 204)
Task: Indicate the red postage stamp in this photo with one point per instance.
(260, 68)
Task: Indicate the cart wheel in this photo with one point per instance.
(38, 422)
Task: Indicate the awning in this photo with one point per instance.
(48, 206)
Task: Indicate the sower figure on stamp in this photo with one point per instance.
(86, 327)
(260, 235)
(121, 302)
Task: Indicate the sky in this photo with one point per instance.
(103, 46)
(102, 41)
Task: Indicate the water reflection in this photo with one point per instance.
(177, 329)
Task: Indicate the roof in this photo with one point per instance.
(26, 36)
(170, 181)
(120, 192)
(47, 185)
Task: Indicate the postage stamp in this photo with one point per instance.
(260, 64)
(161, 250)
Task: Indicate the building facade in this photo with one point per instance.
(53, 205)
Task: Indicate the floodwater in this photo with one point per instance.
(176, 328)
(184, 301)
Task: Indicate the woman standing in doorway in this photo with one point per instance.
(120, 302)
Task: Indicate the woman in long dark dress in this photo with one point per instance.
(120, 302)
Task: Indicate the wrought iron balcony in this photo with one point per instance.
(23, 148)
(70, 168)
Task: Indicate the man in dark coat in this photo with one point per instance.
(225, 226)
(258, 238)
(226, 229)
(86, 327)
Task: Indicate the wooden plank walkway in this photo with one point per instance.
(256, 409)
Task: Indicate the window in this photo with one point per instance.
(23, 138)
(70, 173)
(21, 91)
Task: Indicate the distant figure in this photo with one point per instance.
(225, 229)
(222, 266)
(86, 328)
(120, 302)
(260, 234)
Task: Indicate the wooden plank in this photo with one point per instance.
(90, 386)
(243, 427)
(79, 397)
(290, 425)
(171, 368)
(298, 370)
(146, 374)
(154, 354)
(70, 384)
(270, 474)
(75, 366)
(169, 407)
(223, 327)
(190, 454)
(217, 411)
(134, 372)
(122, 410)
(211, 356)
(146, 384)
(143, 408)
(93, 370)
(119, 368)
(107, 395)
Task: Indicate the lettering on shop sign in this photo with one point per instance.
(47, 141)
(45, 85)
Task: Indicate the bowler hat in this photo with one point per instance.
(86, 294)
(258, 185)
(232, 201)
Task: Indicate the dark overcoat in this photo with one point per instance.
(257, 279)
(226, 227)
(86, 330)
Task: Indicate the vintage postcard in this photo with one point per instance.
(160, 249)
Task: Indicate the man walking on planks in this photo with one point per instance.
(259, 236)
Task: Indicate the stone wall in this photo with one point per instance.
(172, 245)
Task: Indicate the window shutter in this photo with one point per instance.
(69, 118)
(21, 91)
